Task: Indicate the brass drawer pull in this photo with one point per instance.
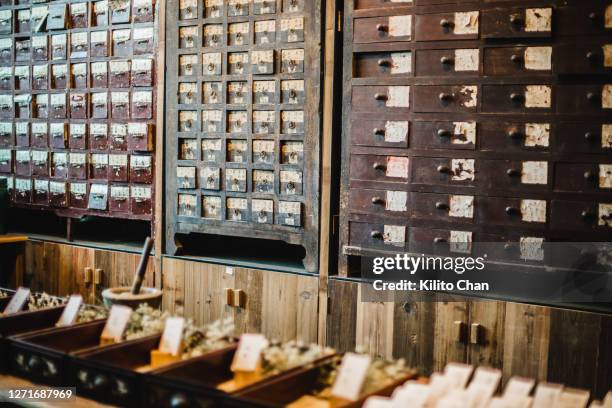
(512, 210)
(379, 166)
(513, 172)
(442, 206)
(516, 97)
(378, 200)
(381, 97)
(376, 235)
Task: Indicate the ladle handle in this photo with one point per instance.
(142, 266)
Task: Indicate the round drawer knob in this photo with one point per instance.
(516, 58)
(444, 133)
(381, 97)
(592, 56)
(377, 200)
(589, 136)
(516, 19)
(443, 169)
(444, 23)
(589, 176)
(381, 27)
(592, 16)
(446, 60)
(179, 401)
(445, 97)
(587, 215)
(441, 206)
(512, 210)
(379, 166)
(516, 97)
(100, 381)
(513, 172)
(515, 134)
(376, 234)
(34, 363)
(439, 240)
(379, 131)
(384, 63)
(592, 97)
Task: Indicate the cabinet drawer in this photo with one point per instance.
(383, 65)
(381, 99)
(517, 22)
(518, 60)
(514, 212)
(514, 137)
(379, 202)
(440, 241)
(584, 98)
(517, 98)
(459, 62)
(584, 137)
(370, 4)
(583, 58)
(516, 175)
(447, 26)
(583, 177)
(590, 18)
(443, 135)
(379, 236)
(382, 29)
(380, 133)
(581, 216)
(443, 207)
(446, 98)
(444, 172)
(379, 168)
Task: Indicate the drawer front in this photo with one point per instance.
(440, 241)
(516, 137)
(456, 62)
(444, 207)
(590, 18)
(371, 4)
(447, 26)
(516, 175)
(383, 64)
(583, 177)
(583, 58)
(390, 203)
(584, 98)
(444, 135)
(379, 168)
(383, 29)
(518, 60)
(581, 216)
(429, 171)
(517, 22)
(388, 237)
(446, 98)
(382, 99)
(514, 212)
(380, 133)
(517, 98)
(584, 137)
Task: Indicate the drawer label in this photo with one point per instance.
(606, 97)
(398, 97)
(461, 206)
(538, 20)
(533, 210)
(532, 248)
(396, 131)
(609, 17)
(397, 167)
(394, 234)
(57, 187)
(538, 58)
(78, 189)
(607, 49)
(605, 215)
(464, 133)
(461, 241)
(211, 207)
(466, 23)
(187, 204)
(396, 201)
(400, 26)
(469, 96)
(463, 169)
(537, 134)
(605, 176)
(401, 63)
(467, 60)
(606, 136)
(534, 172)
(538, 96)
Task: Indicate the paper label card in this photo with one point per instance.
(17, 302)
(248, 354)
(458, 374)
(118, 319)
(172, 337)
(519, 386)
(351, 376)
(71, 311)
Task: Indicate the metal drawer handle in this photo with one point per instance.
(593, 16)
(443, 169)
(589, 136)
(444, 23)
(379, 166)
(384, 62)
(442, 206)
(381, 27)
(439, 240)
(516, 19)
(378, 200)
(379, 131)
(587, 215)
(376, 234)
(381, 97)
(592, 97)
(446, 60)
(516, 58)
(592, 56)
(512, 210)
(444, 97)
(444, 133)
(513, 172)
(515, 134)
(516, 97)
(589, 176)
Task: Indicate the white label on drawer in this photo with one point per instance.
(211, 58)
(137, 128)
(185, 172)
(396, 132)
(5, 72)
(461, 241)
(78, 38)
(57, 187)
(268, 26)
(39, 128)
(263, 146)
(401, 62)
(538, 20)
(605, 215)
(6, 127)
(533, 210)
(213, 29)
(290, 176)
(140, 161)
(607, 49)
(6, 100)
(605, 176)
(60, 159)
(21, 128)
(122, 35)
(463, 169)
(58, 99)
(79, 69)
(98, 67)
(5, 155)
(538, 58)
(58, 40)
(41, 185)
(289, 207)
(99, 98)
(534, 172)
(140, 192)
(469, 96)
(142, 3)
(117, 160)
(59, 70)
(6, 43)
(78, 188)
(142, 64)
(606, 136)
(286, 24)
(464, 133)
(22, 71)
(538, 96)
(537, 134)
(23, 184)
(400, 26)
(394, 234)
(99, 159)
(120, 97)
(118, 129)
(398, 97)
(23, 99)
(39, 41)
(264, 116)
(142, 96)
(41, 100)
(396, 201)
(263, 205)
(237, 203)
(397, 167)
(5, 15)
(606, 96)
(187, 200)
(461, 206)
(258, 57)
(23, 15)
(143, 33)
(467, 60)
(22, 156)
(608, 22)
(466, 23)
(119, 66)
(98, 37)
(120, 191)
(532, 248)
(77, 128)
(77, 158)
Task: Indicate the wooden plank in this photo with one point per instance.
(374, 327)
(173, 283)
(603, 383)
(308, 309)
(279, 306)
(447, 346)
(413, 332)
(12, 239)
(490, 316)
(526, 337)
(39, 279)
(342, 314)
(249, 318)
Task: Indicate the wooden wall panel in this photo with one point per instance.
(342, 314)
(413, 330)
(489, 350)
